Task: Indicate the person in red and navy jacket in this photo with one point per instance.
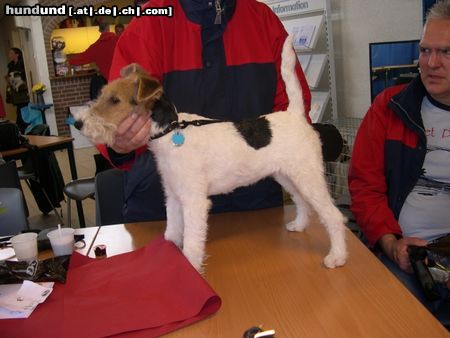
(399, 176)
(100, 52)
(216, 58)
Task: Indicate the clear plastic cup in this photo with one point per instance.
(62, 241)
(25, 246)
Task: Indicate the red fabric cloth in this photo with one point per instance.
(101, 52)
(144, 293)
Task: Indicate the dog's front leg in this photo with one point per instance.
(175, 224)
(195, 214)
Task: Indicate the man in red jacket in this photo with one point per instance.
(399, 176)
(220, 59)
(100, 52)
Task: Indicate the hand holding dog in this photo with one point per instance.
(132, 133)
(397, 249)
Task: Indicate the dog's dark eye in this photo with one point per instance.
(114, 100)
(133, 101)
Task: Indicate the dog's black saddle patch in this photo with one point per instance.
(256, 132)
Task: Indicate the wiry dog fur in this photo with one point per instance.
(217, 158)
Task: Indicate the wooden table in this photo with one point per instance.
(49, 143)
(267, 275)
(45, 143)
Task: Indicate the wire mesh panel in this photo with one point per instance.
(336, 171)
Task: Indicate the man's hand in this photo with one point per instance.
(132, 133)
(397, 249)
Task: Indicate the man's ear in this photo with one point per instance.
(149, 90)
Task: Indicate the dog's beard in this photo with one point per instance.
(98, 130)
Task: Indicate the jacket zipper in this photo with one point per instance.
(409, 118)
(219, 10)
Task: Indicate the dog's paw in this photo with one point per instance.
(195, 260)
(334, 260)
(201, 270)
(199, 267)
(177, 240)
(295, 226)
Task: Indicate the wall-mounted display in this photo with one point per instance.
(391, 63)
(310, 25)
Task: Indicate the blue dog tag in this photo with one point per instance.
(177, 139)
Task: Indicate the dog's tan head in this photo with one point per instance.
(134, 92)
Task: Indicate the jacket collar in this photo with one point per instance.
(407, 104)
(203, 12)
(437, 103)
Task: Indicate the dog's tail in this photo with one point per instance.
(293, 87)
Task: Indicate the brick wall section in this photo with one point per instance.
(66, 91)
(71, 91)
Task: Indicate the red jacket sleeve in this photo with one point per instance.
(367, 183)
(88, 56)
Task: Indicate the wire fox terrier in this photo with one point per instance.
(198, 157)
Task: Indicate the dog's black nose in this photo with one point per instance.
(78, 124)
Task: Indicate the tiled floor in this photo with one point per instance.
(84, 158)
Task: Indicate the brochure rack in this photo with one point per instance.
(310, 24)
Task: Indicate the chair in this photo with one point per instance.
(28, 172)
(9, 178)
(79, 190)
(84, 188)
(13, 216)
(109, 197)
(39, 129)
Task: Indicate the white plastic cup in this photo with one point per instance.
(25, 246)
(62, 241)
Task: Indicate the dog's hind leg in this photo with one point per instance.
(301, 220)
(311, 184)
(195, 216)
(175, 225)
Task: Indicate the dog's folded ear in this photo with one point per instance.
(130, 69)
(149, 90)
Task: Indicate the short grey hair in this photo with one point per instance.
(440, 10)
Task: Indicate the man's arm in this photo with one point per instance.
(84, 57)
(367, 182)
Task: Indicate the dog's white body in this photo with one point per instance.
(216, 158)
(15, 80)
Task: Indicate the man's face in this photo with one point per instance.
(119, 30)
(434, 59)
